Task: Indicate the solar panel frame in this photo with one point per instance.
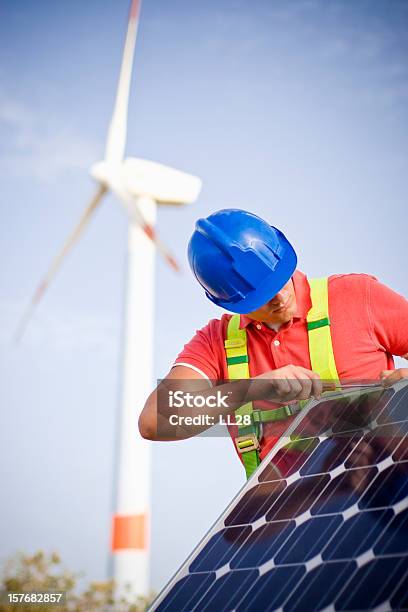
(221, 572)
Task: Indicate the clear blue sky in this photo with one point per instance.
(294, 110)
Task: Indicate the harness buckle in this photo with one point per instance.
(247, 443)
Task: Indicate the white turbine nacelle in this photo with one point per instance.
(164, 184)
(144, 178)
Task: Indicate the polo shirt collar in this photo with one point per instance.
(303, 301)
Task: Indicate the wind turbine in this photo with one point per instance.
(140, 185)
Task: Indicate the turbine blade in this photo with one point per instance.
(161, 247)
(137, 217)
(55, 265)
(116, 140)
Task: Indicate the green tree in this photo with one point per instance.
(41, 572)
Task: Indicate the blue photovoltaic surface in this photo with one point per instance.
(323, 523)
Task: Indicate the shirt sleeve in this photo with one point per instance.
(201, 353)
(388, 312)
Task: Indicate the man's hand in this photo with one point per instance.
(287, 384)
(389, 377)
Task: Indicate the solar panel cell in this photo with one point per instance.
(376, 446)
(289, 460)
(272, 589)
(394, 540)
(319, 587)
(356, 535)
(389, 488)
(395, 410)
(331, 453)
(297, 498)
(222, 546)
(263, 544)
(186, 593)
(254, 503)
(308, 540)
(373, 584)
(228, 590)
(344, 490)
(399, 599)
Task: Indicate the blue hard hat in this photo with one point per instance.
(239, 259)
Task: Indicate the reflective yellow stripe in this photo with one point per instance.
(319, 335)
(236, 346)
(238, 368)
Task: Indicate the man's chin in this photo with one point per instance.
(281, 318)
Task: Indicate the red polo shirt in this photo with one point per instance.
(369, 324)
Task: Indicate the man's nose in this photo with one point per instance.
(279, 297)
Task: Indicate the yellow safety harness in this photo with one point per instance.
(321, 357)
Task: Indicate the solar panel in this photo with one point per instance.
(322, 523)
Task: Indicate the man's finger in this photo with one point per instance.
(309, 373)
(305, 383)
(389, 377)
(313, 385)
(282, 387)
(317, 386)
(297, 387)
(386, 373)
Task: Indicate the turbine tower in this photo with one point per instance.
(140, 185)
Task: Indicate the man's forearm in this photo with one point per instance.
(181, 409)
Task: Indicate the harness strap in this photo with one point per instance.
(322, 361)
(276, 414)
(318, 327)
(247, 441)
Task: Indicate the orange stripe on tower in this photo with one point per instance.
(129, 531)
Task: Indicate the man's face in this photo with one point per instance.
(280, 309)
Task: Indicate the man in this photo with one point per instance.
(289, 337)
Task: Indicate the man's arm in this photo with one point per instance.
(148, 419)
(388, 316)
(388, 313)
(281, 385)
